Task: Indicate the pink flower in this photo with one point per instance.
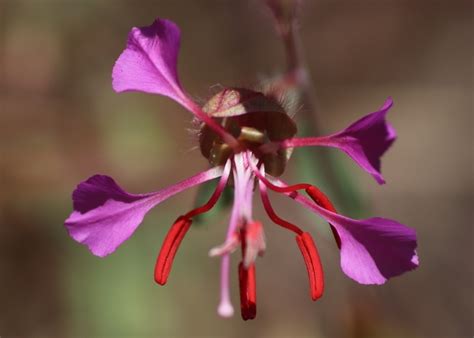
(247, 136)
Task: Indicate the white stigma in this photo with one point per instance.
(225, 309)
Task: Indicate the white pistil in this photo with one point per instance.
(225, 309)
(241, 215)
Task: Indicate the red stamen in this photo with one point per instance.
(247, 284)
(274, 217)
(313, 264)
(168, 249)
(215, 195)
(209, 204)
(289, 188)
(178, 230)
(323, 201)
(248, 292)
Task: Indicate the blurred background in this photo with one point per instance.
(60, 122)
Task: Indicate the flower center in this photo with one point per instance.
(254, 119)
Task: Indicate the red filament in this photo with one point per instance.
(209, 204)
(168, 249)
(290, 188)
(274, 217)
(313, 264)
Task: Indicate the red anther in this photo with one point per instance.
(323, 201)
(313, 264)
(248, 292)
(247, 284)
(168, 249)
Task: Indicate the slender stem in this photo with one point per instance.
(297, 76)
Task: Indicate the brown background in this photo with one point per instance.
(60, 122)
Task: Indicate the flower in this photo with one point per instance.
(248, 138)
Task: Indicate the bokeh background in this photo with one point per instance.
(60, 122)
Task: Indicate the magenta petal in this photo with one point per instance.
(372, 250)
(105, 215)
(375, 249)
(367, 139)
(149, 62)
